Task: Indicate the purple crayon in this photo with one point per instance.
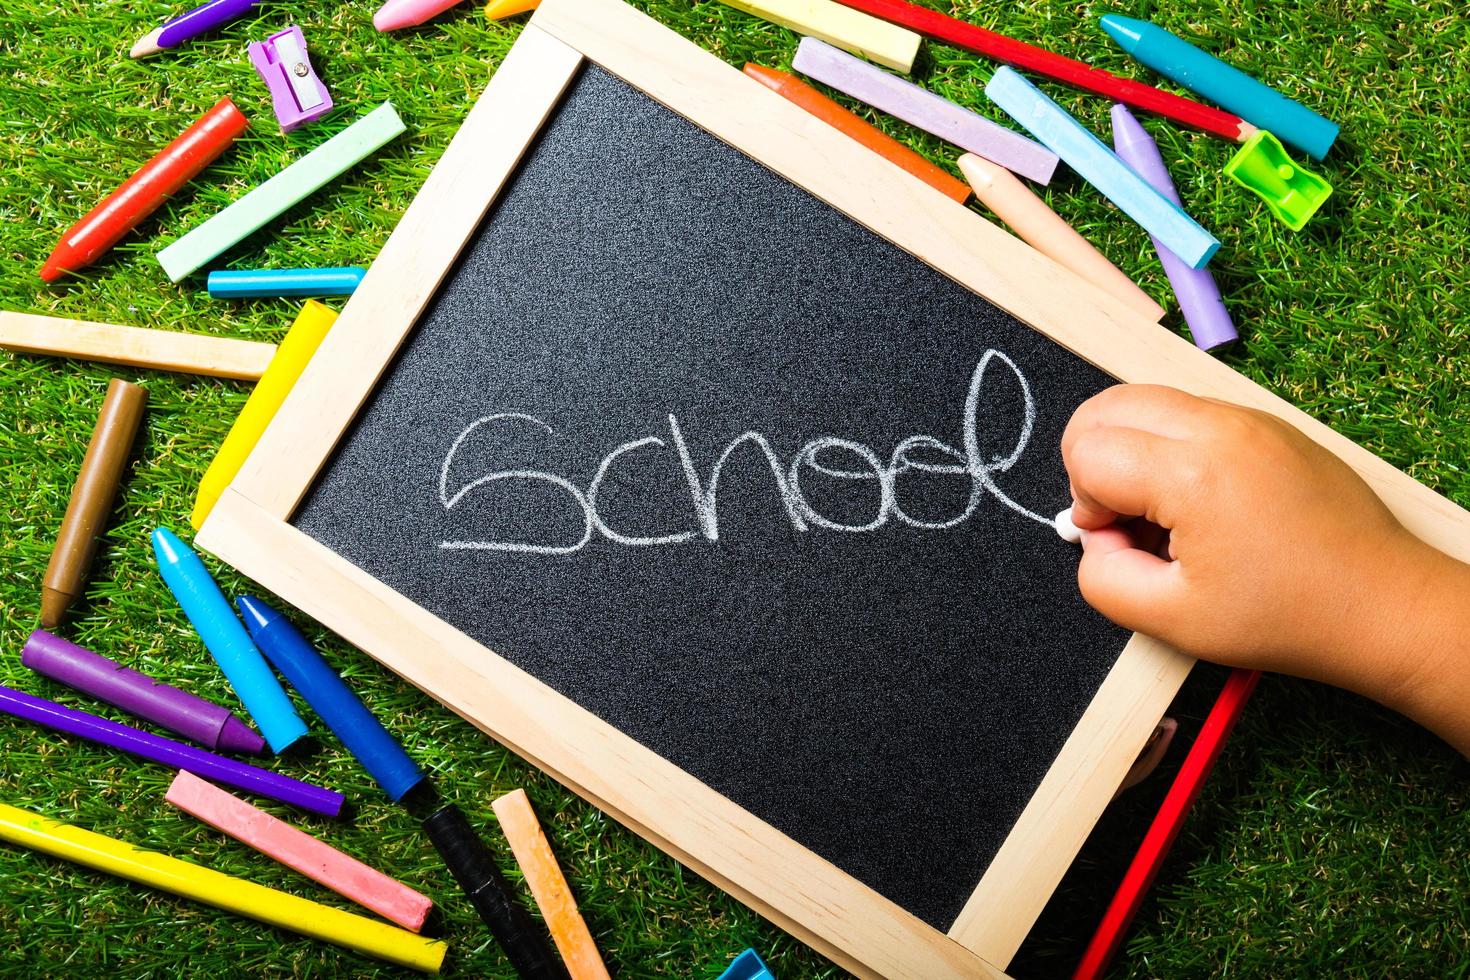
(168, 707)
(176, 755)
(1199, 296)
(206, 17)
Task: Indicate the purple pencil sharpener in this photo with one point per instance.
(297, 95)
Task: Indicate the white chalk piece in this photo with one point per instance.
(1066, 529)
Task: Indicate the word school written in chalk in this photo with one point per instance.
(920, 454)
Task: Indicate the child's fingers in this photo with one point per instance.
(1163, 411)
(1122, 472)
(1130, 586)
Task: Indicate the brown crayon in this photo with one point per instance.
(91, 498)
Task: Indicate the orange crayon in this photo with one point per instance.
(794, 90)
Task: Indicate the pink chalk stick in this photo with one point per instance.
(897, 97)
(319, 861)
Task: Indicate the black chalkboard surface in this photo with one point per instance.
(747, 482)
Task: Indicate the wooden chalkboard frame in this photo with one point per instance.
(250, 526)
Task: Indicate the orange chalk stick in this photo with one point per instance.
(533, 853)
(299, 851)
(794, 90)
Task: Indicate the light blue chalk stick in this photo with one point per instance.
(246, 283)
(1226, 86)
(1100, 167)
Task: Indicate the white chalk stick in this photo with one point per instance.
(1068, 531)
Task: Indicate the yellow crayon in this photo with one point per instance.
(302, 340)
(220, 890)
(501, 9)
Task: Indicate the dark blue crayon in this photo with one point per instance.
(364, 736)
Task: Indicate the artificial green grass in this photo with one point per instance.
(1332, 837)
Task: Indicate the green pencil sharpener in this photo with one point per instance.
(1291, 191)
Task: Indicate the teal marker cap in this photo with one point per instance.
(225, 638)
(1227, 86)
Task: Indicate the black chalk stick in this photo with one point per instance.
(472, 865)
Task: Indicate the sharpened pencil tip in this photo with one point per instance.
(146, 46)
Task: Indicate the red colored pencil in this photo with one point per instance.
(140, 195)
(942, 27)
(1167, 823)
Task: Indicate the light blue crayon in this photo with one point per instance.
(1100, 167)
(1230, 88)
(225, 637)
(243, 283)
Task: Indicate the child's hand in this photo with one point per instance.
(1230, 535)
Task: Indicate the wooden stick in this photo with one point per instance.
(533, 853)
(161, 350)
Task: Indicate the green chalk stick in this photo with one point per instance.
(272, 198)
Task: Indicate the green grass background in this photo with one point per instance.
(1333, 837)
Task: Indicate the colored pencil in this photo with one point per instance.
(942, 27)
(1167, 823)
(167, 752)
(190, 24)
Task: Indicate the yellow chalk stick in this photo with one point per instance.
(501, 9)
(852, 30)
(302, 340)
(220, 890)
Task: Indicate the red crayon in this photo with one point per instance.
(942, 27)
(141, 194)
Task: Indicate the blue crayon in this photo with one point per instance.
(1100, 167)
(1230, 88)
(243, 283)
(227, 641)
(344, 714)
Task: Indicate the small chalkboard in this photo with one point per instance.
(748, 483)
(706, 459)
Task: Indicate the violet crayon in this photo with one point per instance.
(1199, 296)
(176, 755)
(189, 715)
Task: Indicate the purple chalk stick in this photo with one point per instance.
(168, 707)
(897, 97)
(177, 755)
(1199, 296)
